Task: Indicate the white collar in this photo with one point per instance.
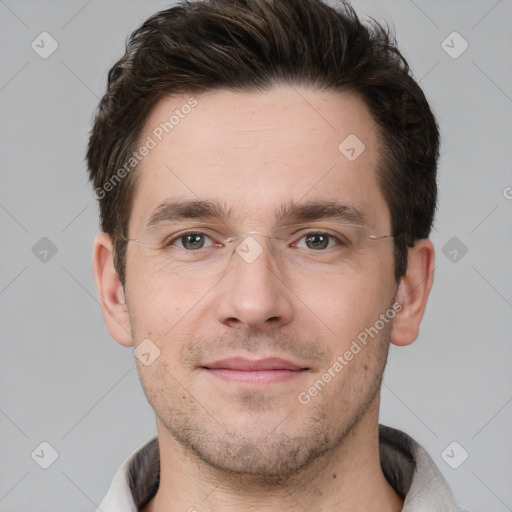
(406, 465)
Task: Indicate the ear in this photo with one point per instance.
(110, 290)
(413, 292)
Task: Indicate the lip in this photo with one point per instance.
(255, 372)
(239, 363)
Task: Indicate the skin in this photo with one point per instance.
(255, 152)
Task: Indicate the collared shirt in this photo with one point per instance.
(406, 465)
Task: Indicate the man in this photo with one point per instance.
(266, 172)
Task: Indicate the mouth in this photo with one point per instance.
(255, 372)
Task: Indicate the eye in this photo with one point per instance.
(191, 241)
(318, 241)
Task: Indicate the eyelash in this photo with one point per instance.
(171, 241)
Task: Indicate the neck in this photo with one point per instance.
(347, 478)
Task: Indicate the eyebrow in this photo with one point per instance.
(172, 210)
(321, 210)
(175, 210)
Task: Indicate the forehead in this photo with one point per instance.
(255, 151)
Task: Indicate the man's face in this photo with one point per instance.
(255, 155)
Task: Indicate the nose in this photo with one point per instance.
(254, 295)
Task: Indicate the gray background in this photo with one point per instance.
(64, 381)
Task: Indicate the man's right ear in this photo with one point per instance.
(110, 290)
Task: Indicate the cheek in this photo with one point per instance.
(344, 304)
(157, 382)
(160, 300)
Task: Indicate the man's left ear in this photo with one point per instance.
(413, 292)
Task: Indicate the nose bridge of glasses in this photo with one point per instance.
(249, 234)
(247, 245)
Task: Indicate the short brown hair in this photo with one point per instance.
(251, 45)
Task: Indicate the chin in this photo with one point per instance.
(272, 459)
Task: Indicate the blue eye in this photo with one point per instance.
(317, 241)
(191, 241)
